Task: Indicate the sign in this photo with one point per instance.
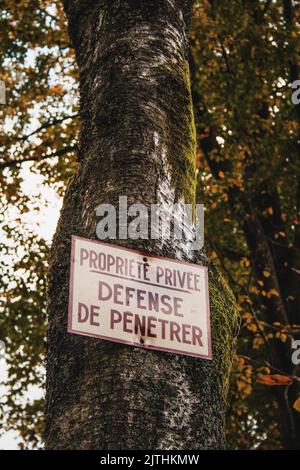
(129, 297)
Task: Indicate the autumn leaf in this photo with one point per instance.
(296, 405)
(273, 380)
(57, 89)
(272, 292)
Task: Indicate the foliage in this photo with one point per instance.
(245, 55)
(38, 122)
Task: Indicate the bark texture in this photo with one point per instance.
(137, 139)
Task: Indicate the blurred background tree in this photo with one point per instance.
(244, 56)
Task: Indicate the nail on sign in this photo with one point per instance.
(130, 297)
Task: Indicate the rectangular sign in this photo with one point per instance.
(126, 296)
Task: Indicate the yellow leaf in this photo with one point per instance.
(266, 273)
(296, 405)
(252, 327)
(247, 315)
(224, 197)
(257, 342)
(272, 292)
(221, 174)
(283, 337)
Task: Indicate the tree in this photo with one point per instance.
(137, 139)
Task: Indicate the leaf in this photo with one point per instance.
(296, 405)
(272, 292)
(274, 380)
(56, 89)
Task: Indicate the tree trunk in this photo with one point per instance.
(137, 140)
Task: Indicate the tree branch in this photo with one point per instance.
(59, 153)
(47, 125)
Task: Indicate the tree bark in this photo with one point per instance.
(138, 140)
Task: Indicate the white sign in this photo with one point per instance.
(129, 297)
